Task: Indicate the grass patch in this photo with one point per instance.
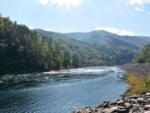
(137, 84)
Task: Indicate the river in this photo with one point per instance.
(66, 91)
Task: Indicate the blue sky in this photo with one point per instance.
(124, 17)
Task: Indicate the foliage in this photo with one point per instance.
(143, 56)
(137, 84)
(114, 55)
(112, 49)
(23, 50)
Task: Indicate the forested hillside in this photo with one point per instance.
(112, 48)
(144, 55)
(23, 50)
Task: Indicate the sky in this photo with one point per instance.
(123, 17)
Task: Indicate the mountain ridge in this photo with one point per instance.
(112, 49)
(138, 41)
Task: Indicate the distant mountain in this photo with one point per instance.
(138, 41)
(51, 33)
(112, 48)
(104, 37)
(101, 37)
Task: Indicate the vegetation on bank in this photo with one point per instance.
(144, 55)
(138, 76)
(137, 84)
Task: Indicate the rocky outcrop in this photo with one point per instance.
(128, 104)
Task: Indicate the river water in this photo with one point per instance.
(66, 91)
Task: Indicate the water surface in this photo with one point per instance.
(66, 91)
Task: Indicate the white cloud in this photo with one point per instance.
(66, 3)
(61, 3)
(116, 31)
(43, 2)
(139, 5)
(30, 27)
(139, 2)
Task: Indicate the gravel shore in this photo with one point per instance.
(128, 104)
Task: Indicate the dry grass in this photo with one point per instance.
(137, 84)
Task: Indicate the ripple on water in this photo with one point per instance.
(67, 93)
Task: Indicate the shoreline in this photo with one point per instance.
(12, 79)
(127, 104)
(138, 103)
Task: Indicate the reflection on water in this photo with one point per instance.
(66, 91)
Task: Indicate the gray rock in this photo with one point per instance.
(129, 104)
(147, 107)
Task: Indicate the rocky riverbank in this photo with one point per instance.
(12, 80)
(127, 104)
